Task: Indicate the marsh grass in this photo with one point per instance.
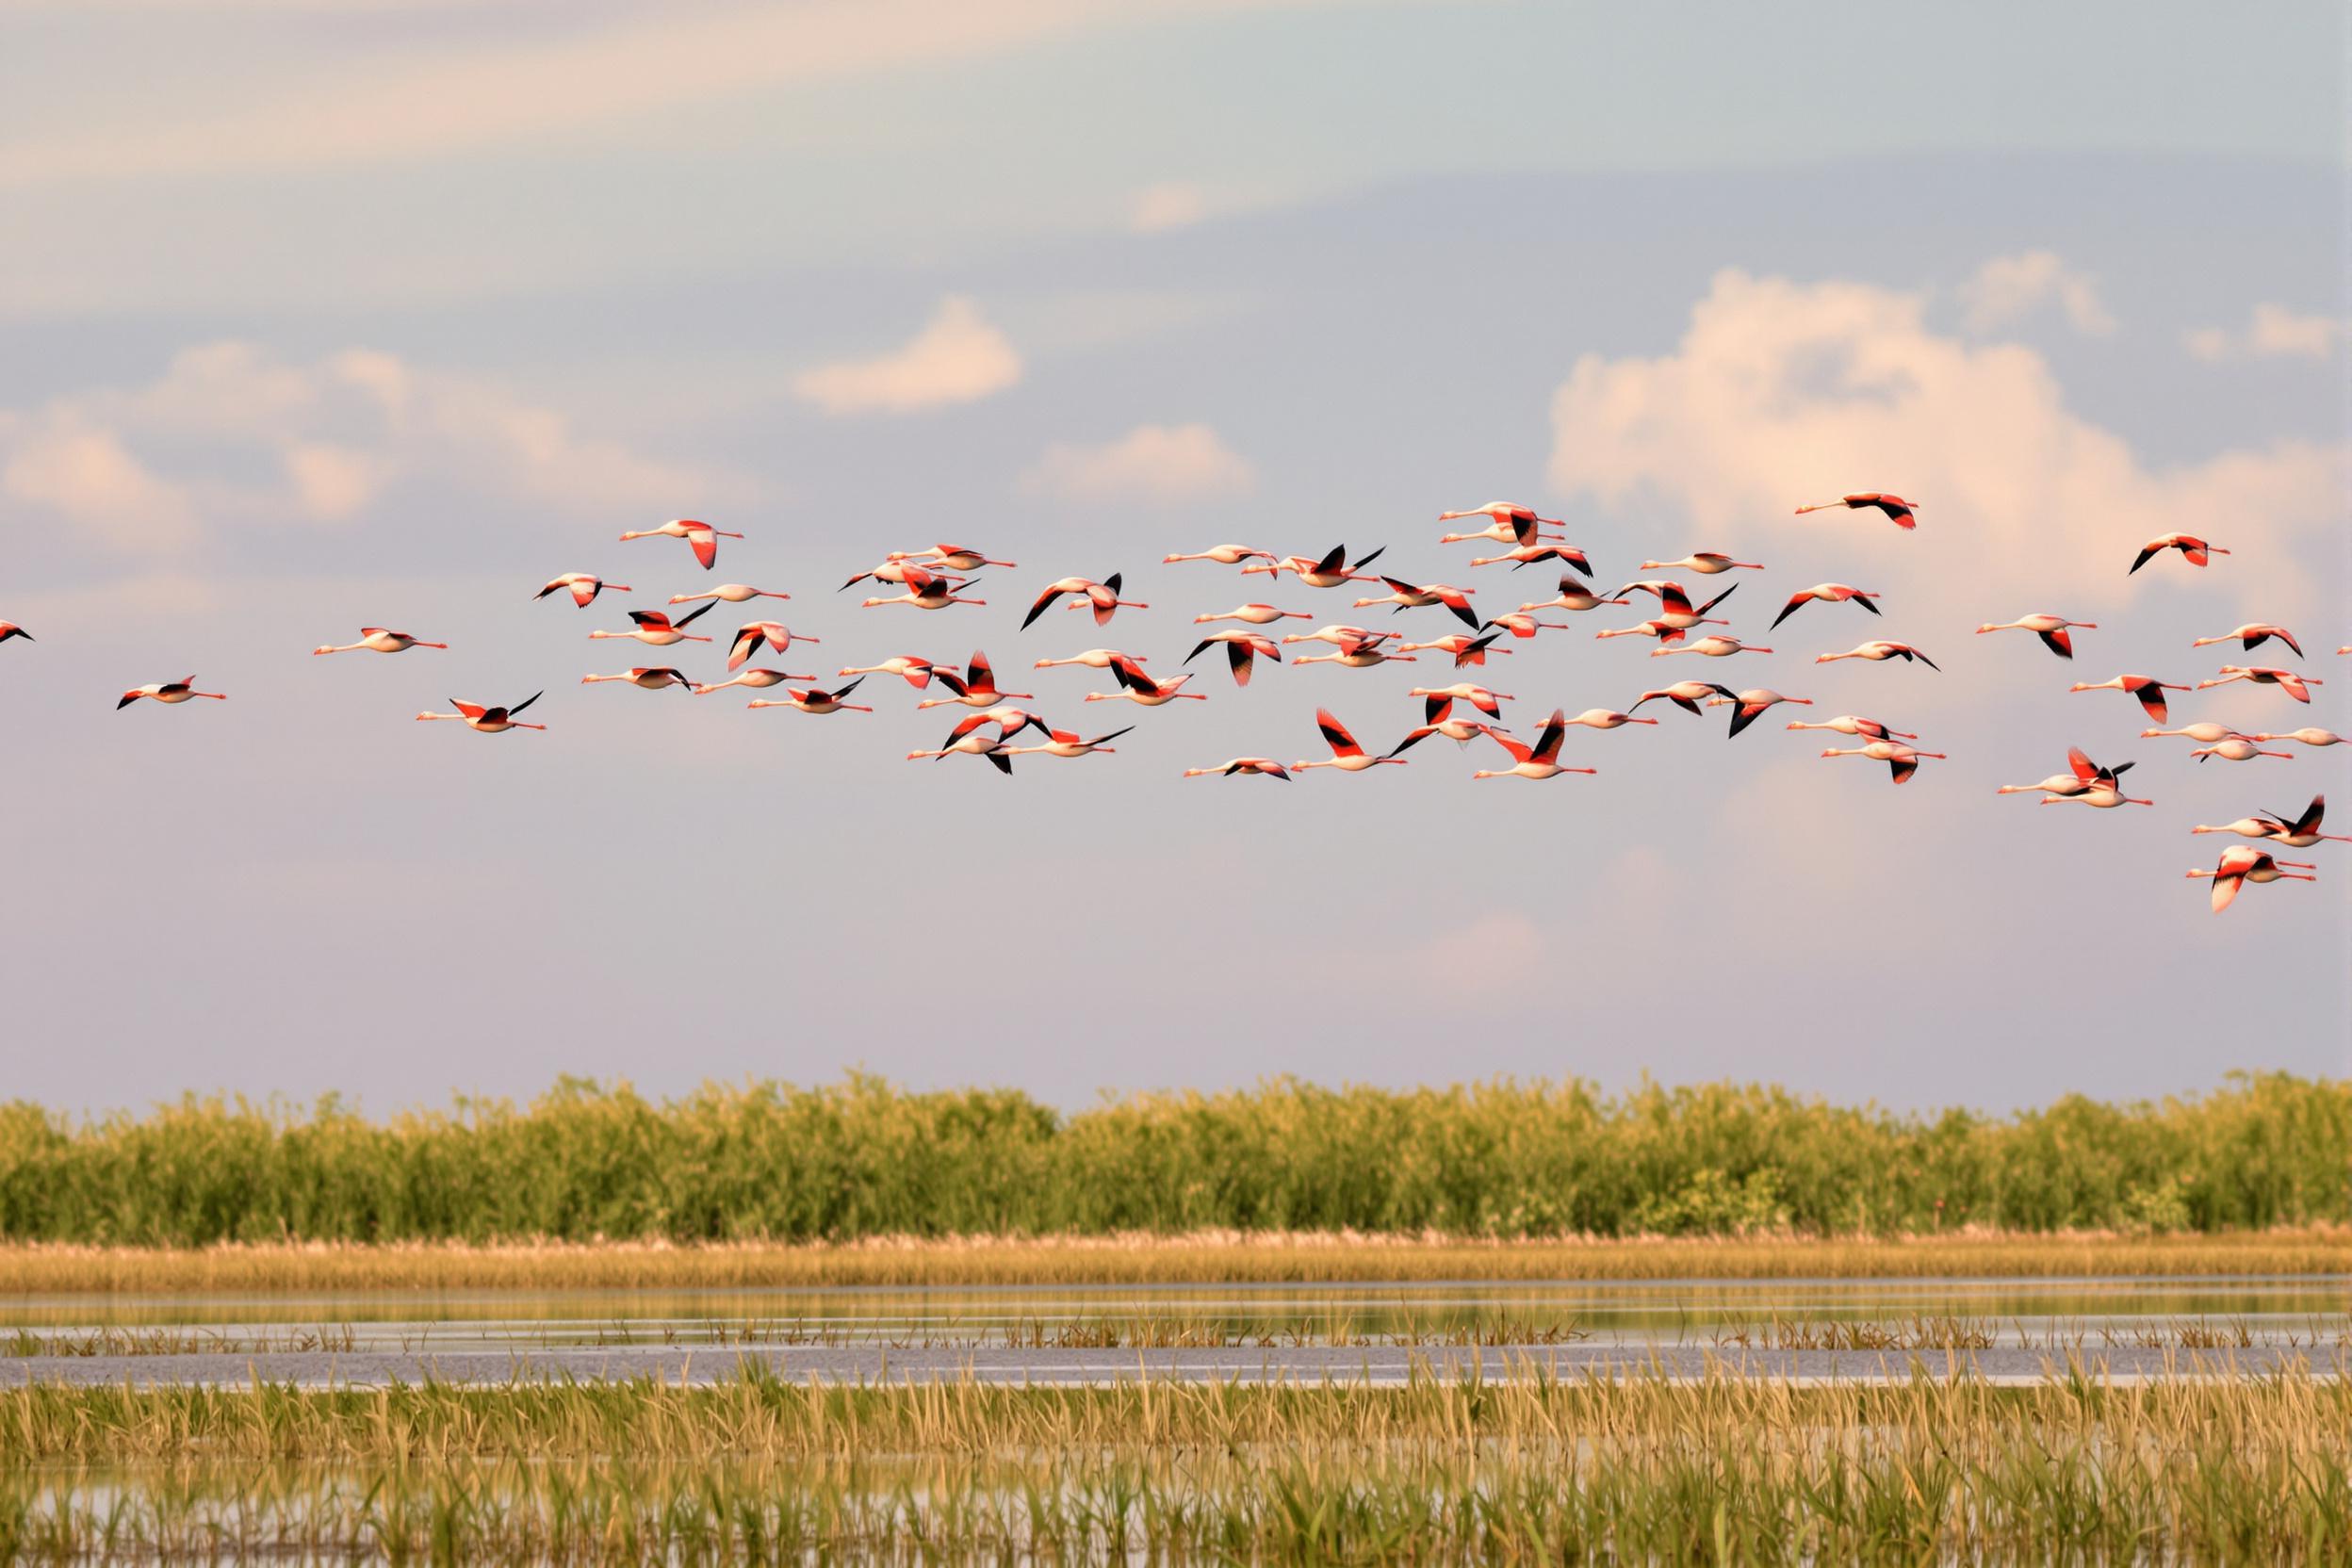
(176, 1342)
(1729, 1468)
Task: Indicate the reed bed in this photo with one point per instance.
(115, 1341)
(1726, 1469)
(859, 1159)
(1212, 1258)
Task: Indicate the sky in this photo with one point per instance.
(320, 315)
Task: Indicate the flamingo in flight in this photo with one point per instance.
(1527, 555)
(912, 669)
(2241, 864)
(1749, 705)
(1067, 742)
(1608, 718)
(656, 630)
(1094, 658)
(2146, 688)
(1573, 596)
(2204, 731)
(1664, 632)
(1517, 524)
(2245, 827)
(748, 637)
(1898, 511)
(2251, 636)
(2310, 736)
(1540, 760)
(814, 701)
(1674, 602)
(1358, 653)
(1827, 593)
(1460, 731)
(1465, 650)
(1254, 615)
(1224, 555)
(976, 688)
(1686, 694)
(488, 721)
(1329, 572)
(1245, 765)
(2193, 550)
(754, 678)
(702, 536)
(1010, 720)
(971, 743)
(583, 587)
(1101, 597)
(1711, 647)
(951, 558)
(652, 677)
(732, 592)
(1705, 563)
(1242, 648)
(1521, 623)
(1879, 651)
(1346, 755)
(1902, 761)
(375, 639)
(906, 574)
(2302, 832)
(1439, 700)
(2297, 686)
(2102, 788)
(1406, 596)
(2236, 748)
(2052, 629)
(932, 593)
(1136, 687)
(168, 691)
(1847, 724)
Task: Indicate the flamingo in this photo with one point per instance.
(1573, 596)
(1705, 563)
(1659, 629)
(584, 587)
(702, 536)
(2056, 784)
(377, 640)
(488, 721)
(1466, 650)
(1847, 724)
(1527, 555)
(1540, 760)
(1405, 595)
(906, 574)
(2204, 729)
(733, 592)
(2052, 629)
(971, 743)
(652, 677)
(1439, 700)
(2241, 864)
(1674, 602)
(2297, 686)
(1329, 572)
(1101, 597)
(1899, 510)
(2237, 749)
(2303, 832)
(2251, 636)
(1338, 635)
(1686, 694)
(976, 688)
(1254, 615)
(1606, 718)
(1900, 759)
(1346, 755)
(2101, 787)
(2149, 690)
(812, 700)
(914, 670)
(754, 677)
(1094, 658)
(752, 633)
(168, 691)
(1266, 765)
(951, 558)
(1460, 731)
(1518, 523)
(932, 593)
(656, 630)
(9, 629)
(1711, 647)
(1361, 653)
(1066, 742)
(1752, 705)
(2309, 736)
(1136, 687)
(1241, 649)
(1522, 623)
(2192, 548)
(2245, 827)
(1828, 592)
(1877, 651)
(1009, 722)
(1224, 555)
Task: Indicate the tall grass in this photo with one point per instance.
(1729, 1469)
(862, 1158)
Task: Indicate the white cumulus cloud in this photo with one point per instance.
(958, 358)
(2007, 290)
(2273, 332)
(1150, 463)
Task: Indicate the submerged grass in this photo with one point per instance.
(1534, 1469)
(1216, 1258)
(860, 1159)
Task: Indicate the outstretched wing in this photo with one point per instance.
(1342, 744)
(525, 703)
(1039, 609)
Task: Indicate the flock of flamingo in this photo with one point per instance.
(939, 577)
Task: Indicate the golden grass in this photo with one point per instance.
(1215, 1257)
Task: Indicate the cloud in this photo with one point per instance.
(2006, 290)
(1152, 463)
(1171, 206)
(230, 432)
(2274, 333)
(1782, 392)
(957, 359)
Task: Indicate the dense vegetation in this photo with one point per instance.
(862, 1158)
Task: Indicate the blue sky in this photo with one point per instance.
(320, 317)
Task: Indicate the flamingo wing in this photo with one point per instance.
(1342, 744)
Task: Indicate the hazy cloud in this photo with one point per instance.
(1150, 463)
(1174, 204)
(2007, 290)
(959, 358)
(2274, 333)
